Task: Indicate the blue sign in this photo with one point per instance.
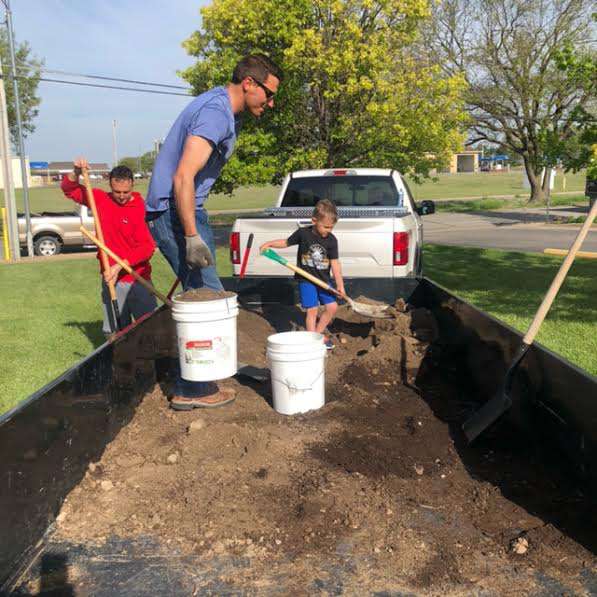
(495, 158)
(39, 165)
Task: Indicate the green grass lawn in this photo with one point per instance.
(511, 286)
(51, 198)
(50, 315)
(448, 186)
(487, 184)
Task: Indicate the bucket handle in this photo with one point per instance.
(296, 386)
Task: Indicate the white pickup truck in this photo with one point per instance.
(379, 230)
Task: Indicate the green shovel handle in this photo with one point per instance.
(271, 254)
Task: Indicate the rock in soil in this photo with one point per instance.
(196, 425)
(107, 485)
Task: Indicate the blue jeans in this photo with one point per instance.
(167, 231)
(168, 234)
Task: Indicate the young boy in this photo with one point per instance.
(122, 217)
(317, 254)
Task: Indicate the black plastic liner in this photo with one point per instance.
(48, 441)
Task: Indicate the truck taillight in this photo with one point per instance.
(400, 255)
(235, 248)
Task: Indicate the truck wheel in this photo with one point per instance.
(46, 246)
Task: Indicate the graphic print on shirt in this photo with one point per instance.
(316, 257)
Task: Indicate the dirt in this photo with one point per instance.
(197, 295)
(375, 480)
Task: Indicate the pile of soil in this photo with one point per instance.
(203, 294)
(373, 491)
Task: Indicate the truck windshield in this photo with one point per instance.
(344, 191)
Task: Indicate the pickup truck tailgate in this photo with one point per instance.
(365, 245)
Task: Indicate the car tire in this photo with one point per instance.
(47, 246)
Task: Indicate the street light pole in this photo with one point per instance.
(8, 183)
(19, 128)
(114, 146)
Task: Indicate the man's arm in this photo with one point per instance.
(194, 157)
(70, 182)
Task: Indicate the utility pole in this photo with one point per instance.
(114, 149)
(19, 128)
(9, 188)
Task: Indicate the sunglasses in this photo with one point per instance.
(268, 92)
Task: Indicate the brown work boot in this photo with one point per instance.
(220, 398)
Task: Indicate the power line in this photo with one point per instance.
(28, 67)
(97, 85)
(60, 72)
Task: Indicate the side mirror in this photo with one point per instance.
(426, 208)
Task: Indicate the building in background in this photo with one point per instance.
(16, 174)
(496, 162)
(464, 161)
(48, 172)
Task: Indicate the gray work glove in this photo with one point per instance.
(198, 253)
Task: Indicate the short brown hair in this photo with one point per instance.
(324, 208)
(256, 66)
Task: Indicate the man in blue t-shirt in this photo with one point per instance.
(196, 149)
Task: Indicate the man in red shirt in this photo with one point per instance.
(122, 218)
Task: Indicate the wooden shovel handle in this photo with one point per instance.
(560, 277)
(126, 267)
(98, 229)
(314, 279)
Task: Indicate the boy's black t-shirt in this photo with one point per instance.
(314, 252)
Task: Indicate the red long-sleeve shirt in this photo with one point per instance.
(123, 226)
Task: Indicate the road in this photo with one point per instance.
(512, 231)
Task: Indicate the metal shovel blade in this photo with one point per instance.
(494, 408)
(374, 311)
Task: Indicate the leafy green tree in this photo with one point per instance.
(356, 91)
(28, 73)
(130, 162)
(142, 163)
(577, 149)
(146, 161)
(517, 95)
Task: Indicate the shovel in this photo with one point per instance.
(114, 312)
(126, 267)
(374, 311)
(494, 408)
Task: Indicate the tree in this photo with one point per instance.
(142, 163)
(578, 149)
(130, 162)
(517, 95)
(28, 73)
(355, 92)
(146, 161)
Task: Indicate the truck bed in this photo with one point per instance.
(376, 493)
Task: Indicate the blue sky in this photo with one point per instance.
(135, 39)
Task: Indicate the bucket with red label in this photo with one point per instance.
(206, 333)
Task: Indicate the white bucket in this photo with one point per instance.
(297, 365)
(206, 332)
